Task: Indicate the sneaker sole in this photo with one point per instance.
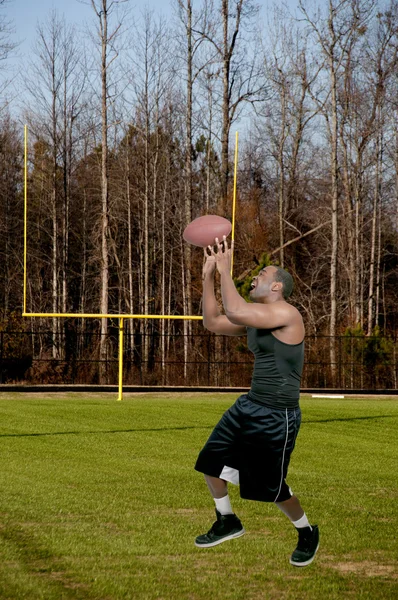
(307, 562)
(224, 539)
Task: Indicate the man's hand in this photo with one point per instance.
(223, 256)
(209, 266)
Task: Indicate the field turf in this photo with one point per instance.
(99, 500)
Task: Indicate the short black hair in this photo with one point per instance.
(286, 279)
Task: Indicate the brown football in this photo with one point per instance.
(204, 230)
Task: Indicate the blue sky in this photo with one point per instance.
(25, 14)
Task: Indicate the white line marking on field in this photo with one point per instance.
(327, 396)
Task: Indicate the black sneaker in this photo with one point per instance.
(227, 527)
(308, 543)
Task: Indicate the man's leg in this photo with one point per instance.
(292, 509)
(218, 487)
(227, 526)
(219, 490)
(308, 540)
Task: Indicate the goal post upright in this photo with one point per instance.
(234, 197)
(121, 323)
(25, 229)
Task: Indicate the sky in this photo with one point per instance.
(25, 14)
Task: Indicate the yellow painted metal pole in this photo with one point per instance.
(234, 196)
(25, 213)
(121, 321)
(111, 316)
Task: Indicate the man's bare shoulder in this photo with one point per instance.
(292, 332)
(274, 315)
(295, 313)
(284, 308)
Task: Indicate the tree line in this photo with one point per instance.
(131, 124)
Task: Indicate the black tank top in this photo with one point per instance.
(277, 369)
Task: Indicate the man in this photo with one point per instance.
(252, 443)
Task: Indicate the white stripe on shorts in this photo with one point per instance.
(230, 474)
(283, 456)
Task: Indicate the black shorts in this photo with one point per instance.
(251, 446)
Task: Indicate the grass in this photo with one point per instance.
(99, 500)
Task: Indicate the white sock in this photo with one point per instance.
(223, 505)
(303, 522)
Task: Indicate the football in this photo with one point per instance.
(204, 230)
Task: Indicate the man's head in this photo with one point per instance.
(287, 281)
(271, 284)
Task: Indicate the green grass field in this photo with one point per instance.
(99, 500)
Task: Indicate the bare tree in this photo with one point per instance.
(107, 36)
(333, 33)
(7, 46)
(151, 83)
(45, 88)
(241, 80)
(10, 222)
(374, 228)
(192, 22)
(382, 61)
(287, 117)
(74, 86)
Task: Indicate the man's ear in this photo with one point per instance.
(277, 286)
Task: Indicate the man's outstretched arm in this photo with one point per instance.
(213, 320)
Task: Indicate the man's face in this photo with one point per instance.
(264, 285)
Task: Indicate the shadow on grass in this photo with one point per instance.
(342, 420)
(142, 430)
(185, 428)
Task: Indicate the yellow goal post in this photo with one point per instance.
(121, 317)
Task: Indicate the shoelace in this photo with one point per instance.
(213, 528)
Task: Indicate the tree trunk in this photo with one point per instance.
(130, 248)
(55, 320)
(187, 304)
(146, 231)
(227, 53)
(396, 168)
(349, 231)
(184, 300)
(104, 193)
(145, 258)
(378, 264)
(163, 290)
(225, 110)
(188, 161)
(335, 198)
(376, 200)
(170, 287)
(208, 158)
(281, 161)
(83, 286)
(67, 152)
(357, 235)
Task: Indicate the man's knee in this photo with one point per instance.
(217, 486)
